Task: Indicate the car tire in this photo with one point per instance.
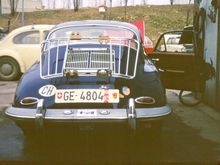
(197, 98)
(9, 69)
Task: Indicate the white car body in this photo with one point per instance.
(22, 46)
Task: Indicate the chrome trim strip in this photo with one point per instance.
(128, 57)
(153, 112)
(57, 114)
(175, 71)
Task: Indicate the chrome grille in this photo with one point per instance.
(77, 59)
(90, 59)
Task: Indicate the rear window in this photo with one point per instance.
(91, 31)
(30, 37)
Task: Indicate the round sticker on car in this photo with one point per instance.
(47, 90)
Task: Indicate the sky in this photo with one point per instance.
(95, 3)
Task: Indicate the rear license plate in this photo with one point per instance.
(87, 96)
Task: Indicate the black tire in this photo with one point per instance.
(9, 69)
(197, 98)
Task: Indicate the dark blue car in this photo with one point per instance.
(90, 72)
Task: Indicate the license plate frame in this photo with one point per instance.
(87, 96)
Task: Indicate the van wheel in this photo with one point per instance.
(190, 98)
(9, 69)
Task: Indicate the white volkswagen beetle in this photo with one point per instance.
(20, 49)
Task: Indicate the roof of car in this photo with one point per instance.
(37, 26)
(32, 27)
(27, 28)
(99, 22)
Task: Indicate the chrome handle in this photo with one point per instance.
(155, 59)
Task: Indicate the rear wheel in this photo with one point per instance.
(9, 69)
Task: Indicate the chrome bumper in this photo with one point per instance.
(131, 114)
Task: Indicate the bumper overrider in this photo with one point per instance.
(132, 114)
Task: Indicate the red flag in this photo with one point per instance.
(141, 26)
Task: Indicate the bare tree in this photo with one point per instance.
(0, 7)
(171, 2)
(126, 3)
(76, 4)
(121, 3)
(13, 6)
(187, 15)
(54, 4)
(110, 10)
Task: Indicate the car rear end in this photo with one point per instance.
(92, 75)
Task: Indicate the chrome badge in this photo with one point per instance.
(104, 112)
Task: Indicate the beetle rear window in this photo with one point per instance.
(31, 37)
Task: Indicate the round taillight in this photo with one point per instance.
(145, 100)
(29, 101)
(126, 91)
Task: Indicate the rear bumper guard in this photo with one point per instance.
(132, 114)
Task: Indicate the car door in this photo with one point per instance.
(179, 66)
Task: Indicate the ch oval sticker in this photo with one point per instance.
(47, 90)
